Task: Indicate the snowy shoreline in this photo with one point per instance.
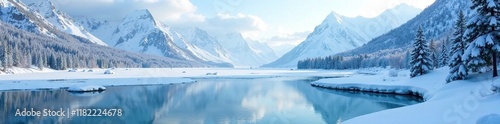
(19, 85)
(398, 90)
(469, 101)
(30, 79)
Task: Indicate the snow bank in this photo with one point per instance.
(489, 119)
(496, 84)
(383, 82)
(393, 89)
(86, 88)
(457, 102)
(86, 94)
(109, 72)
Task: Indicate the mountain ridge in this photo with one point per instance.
(62, 21)
(437, 20)
(338, 34)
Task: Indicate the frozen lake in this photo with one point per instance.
(266, 100)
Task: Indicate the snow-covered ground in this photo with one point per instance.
(460, 102)
(51, 79)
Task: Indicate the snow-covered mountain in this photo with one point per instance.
(338, 34)
(42, 18)
(100, 28)
(263, 50)
(140, 32)
(61, 20)
(437, 20)
(230, 48)
(207, 47)
(244, 52)
(17, 14)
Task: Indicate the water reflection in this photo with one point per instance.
(276, 100)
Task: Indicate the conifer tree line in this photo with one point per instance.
(19, 48)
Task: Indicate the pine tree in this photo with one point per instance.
(444, 56)
(458, 70)
(420, 56)
(483, 35)
(7, 57)
(4, 56)
(433, 52)
(41, 62)
(28, 60)
(434, 60)
(407, 60)
(16, 56)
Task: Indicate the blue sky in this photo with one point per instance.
(277, 22)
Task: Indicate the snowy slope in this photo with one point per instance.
(437, 20)
(338, 34)
(14, 13)
(48, 22)
(208, 47)
(102, 29)
(263, 50)
(140, 32)
(61, 20)
(241, 53)
(196, 51)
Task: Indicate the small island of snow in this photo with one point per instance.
(109, 72)
(86, 88)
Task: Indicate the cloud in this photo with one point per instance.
(372, 8)
(419, 3)
(248, 25)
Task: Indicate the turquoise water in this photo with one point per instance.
(271, 100)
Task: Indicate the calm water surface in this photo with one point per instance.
(274, 100)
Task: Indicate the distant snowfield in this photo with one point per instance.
(459, 102)
(27, 79)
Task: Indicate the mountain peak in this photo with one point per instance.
(141, 14)
(199, 30)
(42, 4)
(402, 6)
(234, 35)
(334, 17)
(402, 9)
